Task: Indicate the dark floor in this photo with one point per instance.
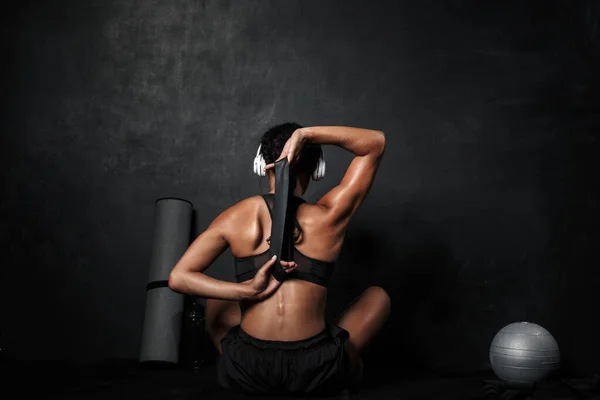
(127, 380)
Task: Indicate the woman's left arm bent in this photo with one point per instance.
(188, 275)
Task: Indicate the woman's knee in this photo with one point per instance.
(222, 314)
(380, 296)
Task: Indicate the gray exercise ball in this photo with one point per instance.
(524, 353)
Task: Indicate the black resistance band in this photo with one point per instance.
(281, 221)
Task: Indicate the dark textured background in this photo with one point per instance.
(485, 210)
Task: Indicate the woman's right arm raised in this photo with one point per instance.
(368, 146)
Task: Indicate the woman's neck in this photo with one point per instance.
(299, 189)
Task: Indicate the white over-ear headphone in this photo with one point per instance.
(259, 163)
(319, 172)
(259, 166)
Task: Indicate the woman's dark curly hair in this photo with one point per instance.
(273, 140)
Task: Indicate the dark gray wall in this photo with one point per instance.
(484, 211)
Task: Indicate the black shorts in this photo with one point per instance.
(316, 365)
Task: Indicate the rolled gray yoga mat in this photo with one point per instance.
(164, 308)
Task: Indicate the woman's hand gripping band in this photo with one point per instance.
(264, 284)
(291, 149)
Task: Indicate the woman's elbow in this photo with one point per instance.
(380, 146)
(176, 282)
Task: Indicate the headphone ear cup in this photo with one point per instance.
(319, 172)
(262, 166)
(259, 163)
(318, 177)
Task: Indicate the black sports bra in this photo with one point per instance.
(307, 269)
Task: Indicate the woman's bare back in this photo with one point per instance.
(296, 310)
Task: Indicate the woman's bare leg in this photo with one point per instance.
(364, 319)
(221, 316)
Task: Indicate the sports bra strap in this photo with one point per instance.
(264, 196)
